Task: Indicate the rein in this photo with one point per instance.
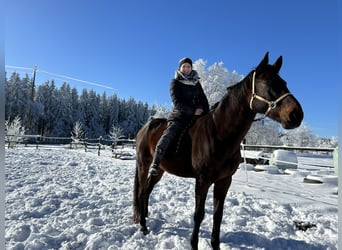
(271, 104)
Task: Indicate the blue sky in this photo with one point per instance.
(134, 46)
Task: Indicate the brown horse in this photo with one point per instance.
(210, 152)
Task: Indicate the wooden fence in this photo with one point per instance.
(101, 143)
(38, 141)
(302, 149)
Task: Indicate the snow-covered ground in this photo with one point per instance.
(71, 199)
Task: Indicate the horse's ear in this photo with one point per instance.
(263, 63)
(278, 63)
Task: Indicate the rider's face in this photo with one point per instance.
(185, 68)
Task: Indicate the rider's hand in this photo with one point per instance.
(198, 111)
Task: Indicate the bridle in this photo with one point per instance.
(271, 104)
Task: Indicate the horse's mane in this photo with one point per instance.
(204, 132)
(203, 139)
(155, 122)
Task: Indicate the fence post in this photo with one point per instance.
(335, 159)
(37, 142)
(113, 148)
(99, 149)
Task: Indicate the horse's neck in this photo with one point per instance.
(233, 117)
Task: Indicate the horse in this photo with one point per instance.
(210, 150)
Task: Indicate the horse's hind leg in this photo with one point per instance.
(151, 182)
(143, 186)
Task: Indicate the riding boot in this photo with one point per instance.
(162, 146)
(155, 162)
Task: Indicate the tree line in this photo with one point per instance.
(50, 111)
(47, 110)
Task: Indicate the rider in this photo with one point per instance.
(188, 100)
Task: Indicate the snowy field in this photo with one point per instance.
(71, 199)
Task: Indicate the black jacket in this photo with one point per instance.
(186, 99)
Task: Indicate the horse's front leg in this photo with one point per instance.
(145, 195)
(220, 191)
(201, 191)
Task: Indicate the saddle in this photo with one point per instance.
(182, 139)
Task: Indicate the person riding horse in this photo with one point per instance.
(189, 102)
(211, 151)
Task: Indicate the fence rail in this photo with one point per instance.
(102, 143)
(40, 140)
(313, 149)
(250, 155)
(88, 144)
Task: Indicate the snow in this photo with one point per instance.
(71, 199)
(284, 159)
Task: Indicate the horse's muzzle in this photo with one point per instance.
(294, 120)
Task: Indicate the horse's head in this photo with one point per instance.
(271, 97)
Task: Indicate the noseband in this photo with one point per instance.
(271, 104)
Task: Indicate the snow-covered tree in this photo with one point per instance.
(64, 111)
(77, 133)
(13, 131)
(132, 116)
(113, 109)
(103, 118)
(300, 137)
(334, 142)
(215, 79)
(161, 111)
(17, 94)
(264, 132)
(116, 133)
(47, 101)
(89, 105)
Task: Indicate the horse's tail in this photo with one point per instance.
(140, 137)
(143, 161)
(141, 169)
(136, 190)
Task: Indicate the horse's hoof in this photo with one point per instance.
(144, 230)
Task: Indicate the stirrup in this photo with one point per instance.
(153, 170)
